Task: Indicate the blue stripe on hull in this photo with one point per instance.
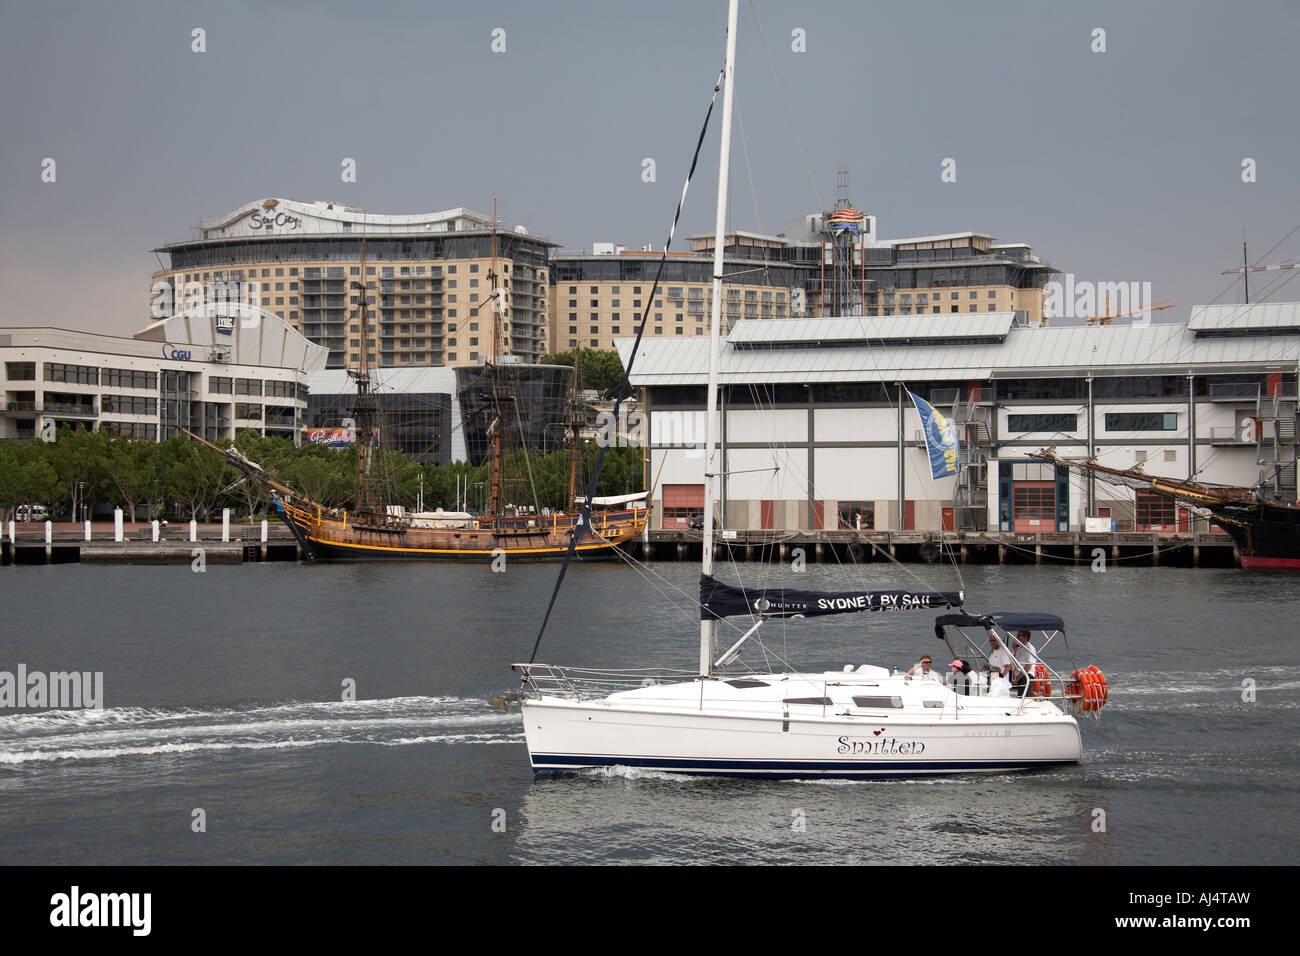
(772, 769)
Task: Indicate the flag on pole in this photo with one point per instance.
(940, 439)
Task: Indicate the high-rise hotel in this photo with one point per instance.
(832, 264)
(427, 276)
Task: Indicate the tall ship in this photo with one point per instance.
(1266, 530)
(373, 531)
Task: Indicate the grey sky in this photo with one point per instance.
(1116, 166)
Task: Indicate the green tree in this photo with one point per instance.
(26, 476)
(193, 475)
(272, 454)
(80, 459)
(600, 370)
(132, 470)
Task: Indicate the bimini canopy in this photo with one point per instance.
(1007, 620)
(723, 600)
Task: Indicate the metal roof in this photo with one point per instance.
(1243, 318)
(869, 329)
(1028, 352)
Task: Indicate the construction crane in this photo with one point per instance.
(1105, 319)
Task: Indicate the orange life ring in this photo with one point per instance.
(1089, 687)
(1041, 686)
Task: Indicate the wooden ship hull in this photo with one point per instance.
(326, 535)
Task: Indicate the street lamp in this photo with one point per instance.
(77, 506)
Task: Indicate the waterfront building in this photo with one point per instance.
(598, 298)
(212, 375)
(802, 272)
(443, 415)
(817, 431)
(426, 275)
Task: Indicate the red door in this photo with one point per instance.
(1033, 506)
(680, 503)
(948, 523)
(768, 515)
(819, 515)
(909, 515)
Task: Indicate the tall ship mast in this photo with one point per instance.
(366, 410)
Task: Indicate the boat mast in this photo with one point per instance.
(708, 629)
(575, 423)
(366, 411)
(498, 388)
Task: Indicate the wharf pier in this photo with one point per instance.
(1143, 548)
(67, 543)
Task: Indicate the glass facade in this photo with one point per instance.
(417, 424)
(537, 397)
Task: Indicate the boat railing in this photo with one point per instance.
(580, 683)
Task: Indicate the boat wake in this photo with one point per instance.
(38, 737)
(1267, 678)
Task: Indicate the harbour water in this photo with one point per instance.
(223, 694)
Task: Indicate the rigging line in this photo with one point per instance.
(785, 106)
(537, 505)
(744, 146)
(649, 574)
(625, 384)
(1241, 308)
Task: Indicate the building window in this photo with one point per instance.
(1142, 422)
(1042, 423)
(857, 515)
(71, 374)
(20, 371)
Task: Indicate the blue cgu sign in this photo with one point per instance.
(174, 353)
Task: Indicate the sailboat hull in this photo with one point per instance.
(567, 736)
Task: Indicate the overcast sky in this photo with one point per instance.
(1123, 165)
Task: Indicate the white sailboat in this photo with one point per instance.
(863, 721)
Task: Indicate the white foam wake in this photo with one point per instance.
(150, 731)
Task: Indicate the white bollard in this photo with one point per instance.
(87, 530)
(154, 523)
(194, 530)
(225, 524)
(263, 531)
(117, 524)
(49, 532)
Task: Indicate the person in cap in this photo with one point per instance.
(959, 672)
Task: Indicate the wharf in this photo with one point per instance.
(68, 544)
(1177, 549)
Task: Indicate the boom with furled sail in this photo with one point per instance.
(719, 600)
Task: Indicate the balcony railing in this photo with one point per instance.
(53, 408)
